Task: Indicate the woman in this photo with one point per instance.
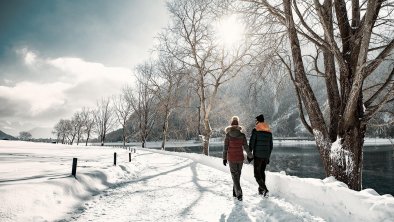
(234, 145)
(261, 146)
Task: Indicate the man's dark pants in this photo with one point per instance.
(259, 166)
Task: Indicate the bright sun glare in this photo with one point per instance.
(229, 30)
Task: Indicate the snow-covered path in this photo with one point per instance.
(172, 188)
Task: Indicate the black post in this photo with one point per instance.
(129, 157)
(115, 158)
(74, 168)
(134, 150)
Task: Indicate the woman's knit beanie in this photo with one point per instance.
(234, 120)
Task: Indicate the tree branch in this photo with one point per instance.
(380, 90)
(379, 59)
(343, 24)
(370, 113)
(314, 34)
(299, 100)
(324, 13)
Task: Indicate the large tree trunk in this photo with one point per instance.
(344, 159)
(350, 171)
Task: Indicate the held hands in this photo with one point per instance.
(249, 160)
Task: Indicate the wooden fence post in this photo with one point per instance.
(129, 157)
(74, 167)
(115, 158)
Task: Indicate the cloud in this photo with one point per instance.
(91, 81)
(7, 81)
(82, 70)
(38, 96)
(74, 83)
(29, 56)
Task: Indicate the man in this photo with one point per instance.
(234, 145)
(261, 145)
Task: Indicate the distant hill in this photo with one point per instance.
(5, 136)
(114, 136)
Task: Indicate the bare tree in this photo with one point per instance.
(165, 83)
(78, 123)
(350, 47)
(190, 39)
(104, 118)
(87, 117)
(63, 130)
(123, 110)
(24, 135)
(143, 101)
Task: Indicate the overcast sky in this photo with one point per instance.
(57, 56)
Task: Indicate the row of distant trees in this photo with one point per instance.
(339, 66)
(135, 111)
(76, 129)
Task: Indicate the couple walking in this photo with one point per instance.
(259, 150)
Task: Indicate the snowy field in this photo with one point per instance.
(35, 185)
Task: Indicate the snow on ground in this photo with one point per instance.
(35, 185)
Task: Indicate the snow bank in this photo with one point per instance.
(332, 200)
(36, 182)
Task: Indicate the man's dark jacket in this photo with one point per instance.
(261, 141)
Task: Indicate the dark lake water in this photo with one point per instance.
(304, 161)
